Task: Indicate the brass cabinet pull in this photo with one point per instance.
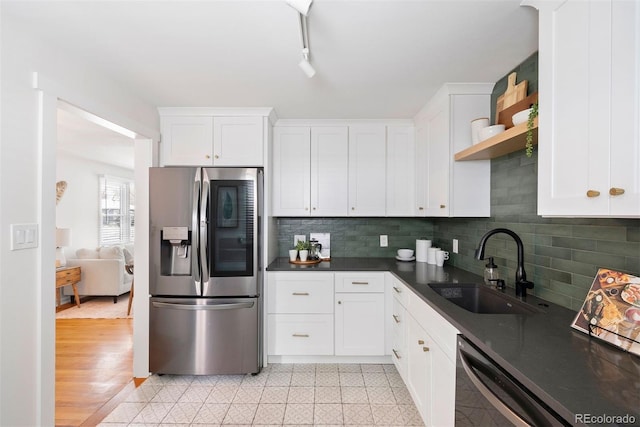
(396, 318)
(359, 283)
(306, 208)
(425, 349)
(616, 191)
(593, 193)
(353, 209)
(397, 289)
(300, 293)
(314, 208)
(300, 335)
(395, 353)
(339, 302)
(216, 156)
(420, 342)
(420, 208)
(442, 206)
(207, 156)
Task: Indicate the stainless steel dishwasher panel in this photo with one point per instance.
(204, 336)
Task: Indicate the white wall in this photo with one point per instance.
(27, 195)
(78, 208)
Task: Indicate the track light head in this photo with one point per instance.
(306, 66)
(302, 6)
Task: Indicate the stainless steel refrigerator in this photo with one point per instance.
(205, 278)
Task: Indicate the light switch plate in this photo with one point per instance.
(24, 236)
(297, 237)
(384, 241)
(455, 246)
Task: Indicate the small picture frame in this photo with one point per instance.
(227, 215)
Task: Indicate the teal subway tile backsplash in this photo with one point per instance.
(356, 237)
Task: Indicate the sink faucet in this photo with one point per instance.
(522, 284)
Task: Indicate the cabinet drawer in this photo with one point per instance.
(302, 293)
(359, 282)
(67, 277)
(297, 334)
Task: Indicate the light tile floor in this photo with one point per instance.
(282, 394)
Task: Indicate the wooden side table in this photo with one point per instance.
(66, 276)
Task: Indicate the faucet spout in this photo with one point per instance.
(522, 284)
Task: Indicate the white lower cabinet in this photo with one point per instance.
(300, 334)
(359, 327)
(419, 369)
(399, 338)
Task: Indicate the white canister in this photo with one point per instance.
(431, 255)
(421, 249)
(476, 125)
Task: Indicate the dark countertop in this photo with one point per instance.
(570, 372)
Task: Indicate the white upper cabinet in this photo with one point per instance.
(310, 171)
(291, 176)
(329, 170)
(367, 170)
(238, 141)
(401, 177)
(187, 141)
(213, 137)
(445, 188)
(589, 129)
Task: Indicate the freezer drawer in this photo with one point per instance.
(204, 336)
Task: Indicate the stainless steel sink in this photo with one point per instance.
(478, 298)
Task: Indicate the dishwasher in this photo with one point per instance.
(486, 395)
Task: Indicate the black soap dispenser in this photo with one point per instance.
(491, 273)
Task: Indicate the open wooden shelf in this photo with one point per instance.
(513, 139)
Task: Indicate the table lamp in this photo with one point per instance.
(63, 238)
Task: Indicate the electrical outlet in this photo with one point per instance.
(455, 246)
(384, 241)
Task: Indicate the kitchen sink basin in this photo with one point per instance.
(478, 298)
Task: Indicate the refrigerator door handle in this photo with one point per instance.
(196, 307)
(195, 241)
(204, 230)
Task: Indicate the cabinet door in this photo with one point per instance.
(419, 368)
(437, 161)
(187, 141)
(359, 324)
(291, 177)
(421, 167)
(329, 171)
(401, 178)
(367, 165)
(238, 141)
(574, 102)
(625, 108)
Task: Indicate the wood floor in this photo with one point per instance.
(94, 364)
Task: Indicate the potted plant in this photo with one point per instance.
(529, 136)
(303, 249)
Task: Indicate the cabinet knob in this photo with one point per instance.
(314, 208)
(306, 208)
(207, 156)
(353, 209)
(425, 349)
(593, 193)
(216, 156)
(339, 302)
(420, 208)
(420, 342)
(442, 206)
(616, 191)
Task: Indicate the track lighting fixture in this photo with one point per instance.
(303, 6)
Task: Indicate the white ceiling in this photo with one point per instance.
(374, 59)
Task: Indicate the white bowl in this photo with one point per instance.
(489, 131)
(405, 253)
(520, 117)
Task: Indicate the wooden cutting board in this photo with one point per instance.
(514, 93)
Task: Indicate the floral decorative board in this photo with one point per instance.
(611, 310)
